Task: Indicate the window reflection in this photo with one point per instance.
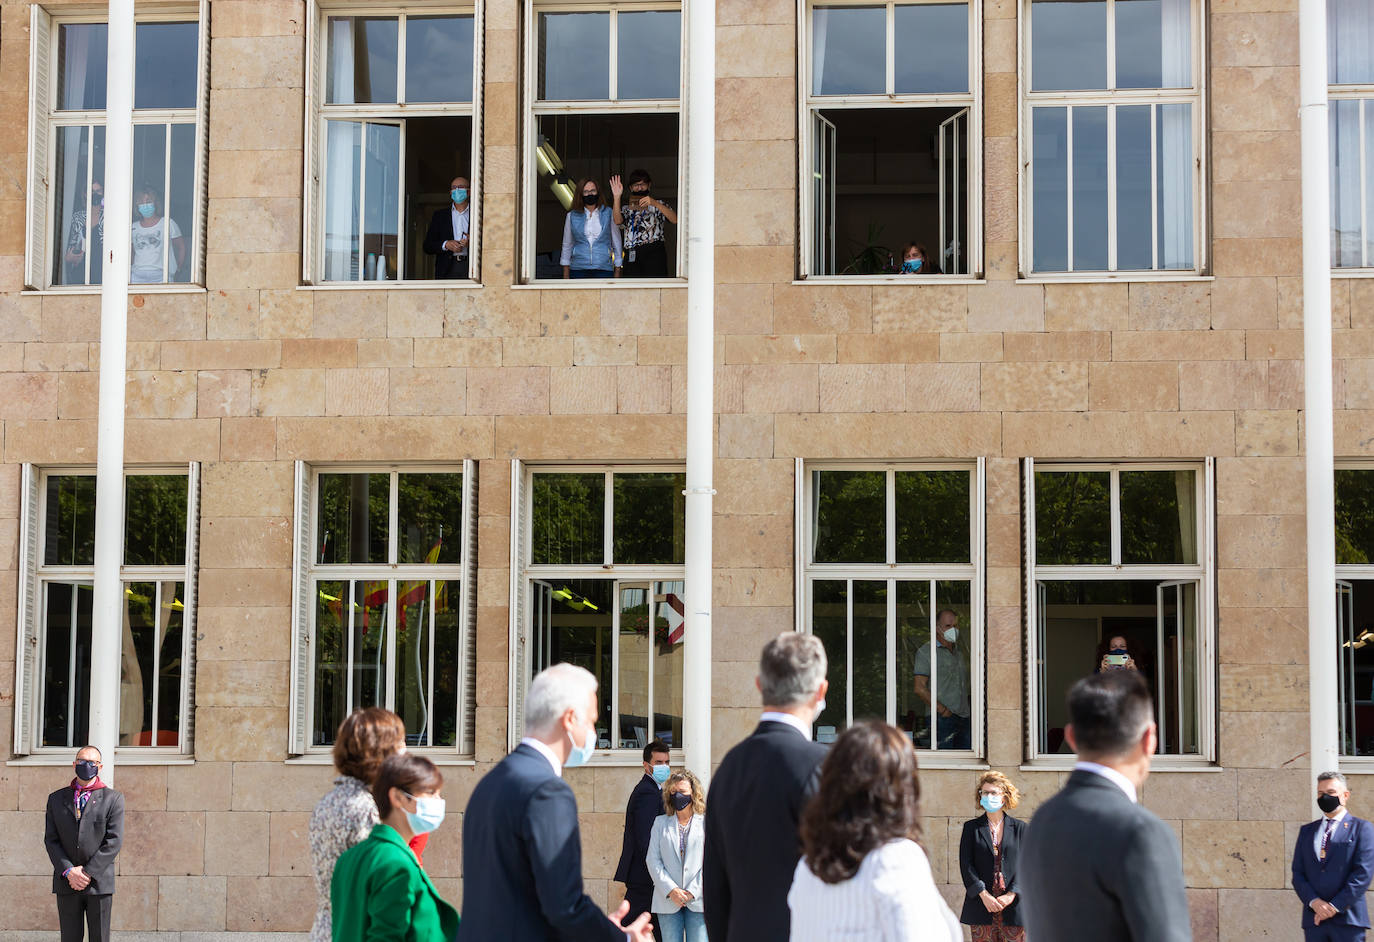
(439, 58)
(574, 56)
(361, 67)
(848, 50)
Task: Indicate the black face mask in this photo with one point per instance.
(1328, 803)
(644, 192)
(590, 199)
(86, 770)
(681, 801)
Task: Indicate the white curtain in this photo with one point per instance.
(341, 60)
(1350, 41)
(1174, 130)
(341, 197)
(818, 33)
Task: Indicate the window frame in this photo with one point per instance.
(45, 120)
(318, 113)
(1351, 571)
(306, 574)
(1110, 98)
(1203, 573)
(1361, 92)
(809, 105)
(532, 107)
(974, 571)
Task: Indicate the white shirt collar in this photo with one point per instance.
(1111, 775)
(544, 750)
(770, 716)
(1336, 818)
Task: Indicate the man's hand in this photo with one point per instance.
(1322, 909)
(77, 879)
(943, 710)
(641, 930)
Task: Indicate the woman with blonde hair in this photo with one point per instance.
(988, 852)
(674, 860)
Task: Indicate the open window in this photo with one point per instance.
(1355, 607)
(1350, 69)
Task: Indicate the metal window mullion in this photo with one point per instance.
(401, 59)
(348, 659)
(389, 643)
(957, 234)
(362, 199)
(889, 41)
(399, 274)
(166, 220)
(940, 142)
(649, 669)
(1111, 44)
(1115, 516)
(615, 663)
(608, 518)
(1154, 186)
(157, 656)
(433, 596)
(1364, 215)
(71, 671)
(1068, 184)
(890, 515)
(891, 672)
(90, 171)
(934, 645)
(613, 78)
(393, 518)
(1111, 187)
(849, 653)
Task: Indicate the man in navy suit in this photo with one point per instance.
(522, 851)
(447, 237)
(1333, 863)
(643, 808)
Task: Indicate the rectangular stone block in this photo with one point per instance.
(236, 843)
(508, 391)
(1220, 854)
(163, 843)
(870, 387)
(1035, 387)
(1117, 434)
(1127, 387)
(943, 387)
(436, 391)
(271, 904)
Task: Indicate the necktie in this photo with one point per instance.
(1326, 835)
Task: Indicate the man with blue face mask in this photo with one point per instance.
(522, 850)
(643, 808)
(85, 827)
(447, 237)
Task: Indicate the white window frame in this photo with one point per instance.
(809, 104)
(891, 571)
(1346, 572)
(1362, 92)
(31, 621)
(307, 574)
(1203, 573)
(533, 108)
(524, 574)
(318, 113)
(1111, 98)
(45, 120)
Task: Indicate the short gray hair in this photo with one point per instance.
(791, 669)
(1333, 776)
(554, 691)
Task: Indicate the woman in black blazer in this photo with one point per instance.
(988, 852)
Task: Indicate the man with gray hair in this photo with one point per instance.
(752, 842)
(1333, 863)
(522, 850)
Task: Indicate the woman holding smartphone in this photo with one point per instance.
(1116, 657)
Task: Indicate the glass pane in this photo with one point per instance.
(1090, 189)
(578, 631)
(1050, 188)
(1159, 517)
(1134, 196)
(850, 517)
(1068, 44)
(342, 182)
(1184, 643)
(848, 50)
(1073, 517)
(635, 663)
(66, 663)
(1350, 42)
(170, 622)
(870, 650)
(353, 518)
(949, 658)
(157, 245)
(1174, 141)
(1354, 516)
(137, 674)
(381, 201)
(437, 150)
(1154, 44)
(78, 247)
(933, 516)
(650, 45)
(81, 66)
(933, 39)
(426, 659)
(438, 58)
(181, 200)
(446, 706)
(669, 633)
(361, 65)
(331, 661)
(1347, 232)
(155, 520)
(69, 520)
(830, 623)
(574, 56)
(1355, 614)
(568, 514)
(367, 642)
(166, 74)
(913, 675)
(650, 518)
(430, 518)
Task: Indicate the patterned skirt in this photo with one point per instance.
(998, 932)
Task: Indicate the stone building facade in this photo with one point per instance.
(246, 372)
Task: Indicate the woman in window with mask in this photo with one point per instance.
(988, 853)
(674, 860)
(149, 234)
(379, 890)
(917, 261)
(591, 239)
(645, 220)
(1114, 655)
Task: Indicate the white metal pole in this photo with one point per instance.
(700, 219)
(1318, 420)
(108, 604)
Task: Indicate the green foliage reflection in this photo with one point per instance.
(1073, 517)
(1354, 516)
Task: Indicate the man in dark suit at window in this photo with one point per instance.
(752, 843)
(1333, 863)
(644, 806)
(84, 827)
(447, 238)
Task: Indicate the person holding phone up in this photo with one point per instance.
(1117, 657)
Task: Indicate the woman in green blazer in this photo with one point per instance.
(379, 892)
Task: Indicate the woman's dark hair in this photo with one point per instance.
(640, 176)
(582, 185)
(412, 774)
(365, 738)
(869, 794)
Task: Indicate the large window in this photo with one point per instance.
(67, 224)
(891, 138)
(1112, 162)
(1355, 607)
(604, 88)
(1350, 72)
(157, 640)
(390, 133)
(892, 584)
(384, 566)
(598, 582)
(1121, 578)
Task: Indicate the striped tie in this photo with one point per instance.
(1326, 835)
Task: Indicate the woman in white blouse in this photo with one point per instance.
(674, 859)
(863, 874)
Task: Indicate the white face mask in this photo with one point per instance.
(951, 635)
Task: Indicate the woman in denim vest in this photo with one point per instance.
(591, 239)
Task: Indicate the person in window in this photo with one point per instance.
(1116, 656)
(447, 238)
(917, 261)
(643, 218)
(591, 239)
(84, 238)
(988, 850)
(952, 723)
(149, 233)
(674, 859)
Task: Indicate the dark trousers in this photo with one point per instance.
(640, 898)
(954, 731)
(78, 913)
(650, 261)
(1329, 932)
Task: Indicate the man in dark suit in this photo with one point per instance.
(447, 237)
(644, 806)
(1333, 863)
(522, 851)
(752, 844)
(1097, 867)
(84, 827)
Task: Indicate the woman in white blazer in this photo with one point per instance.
(674, 860)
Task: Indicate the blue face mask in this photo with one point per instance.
(459, 194)
(911, 266)
(661, 773)
(580, 754)
(991, 802)
(147, 209)
(427, 816)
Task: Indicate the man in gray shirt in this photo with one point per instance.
(951, 694)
